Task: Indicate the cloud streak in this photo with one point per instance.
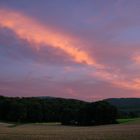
(30, 30)
(38, 34)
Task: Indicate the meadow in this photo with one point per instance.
(127, 130)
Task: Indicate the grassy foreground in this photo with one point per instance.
(129, 121)
(129, 130)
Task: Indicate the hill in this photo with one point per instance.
(54, 106)
(49, 109)
(127, 106)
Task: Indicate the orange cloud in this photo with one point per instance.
(136, 59)
(118, 80)
(29, 29)
(33, 32)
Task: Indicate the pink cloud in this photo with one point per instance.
(101, 61)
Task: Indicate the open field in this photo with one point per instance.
(125, 131)
(129, 121)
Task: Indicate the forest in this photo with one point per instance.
(66, 111)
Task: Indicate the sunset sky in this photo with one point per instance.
(83, 49)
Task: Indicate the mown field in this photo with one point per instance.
(127, 130)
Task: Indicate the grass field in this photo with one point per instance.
(129, 121)
(128, 130)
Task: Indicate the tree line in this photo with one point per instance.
(66, 111)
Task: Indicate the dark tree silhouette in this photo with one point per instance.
(66, 111)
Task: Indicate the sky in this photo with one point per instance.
(82, 49)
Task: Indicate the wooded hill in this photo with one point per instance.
(67, 111)
(128, 107)
(47, 109)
